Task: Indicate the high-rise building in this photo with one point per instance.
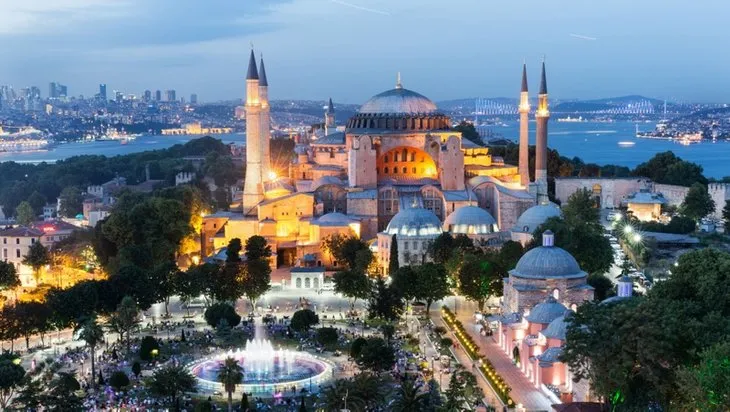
(118, 96)
(193, 98)
(147, 95)
(158, 96)
(102, 91)
(57, 90)
(171, 95)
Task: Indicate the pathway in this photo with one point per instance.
(523, 392)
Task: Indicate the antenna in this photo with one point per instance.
(398, 84)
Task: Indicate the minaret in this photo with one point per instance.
(329, 117)
(253, 186)
(266, 171)
(524, 108)
(542, 115)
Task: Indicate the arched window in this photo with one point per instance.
(385, 159)
(385, 170)
(395, 157)
(307, 283)
(299, 283)
(405, 155)
(413, 156)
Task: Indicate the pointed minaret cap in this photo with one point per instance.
(330, 107)
(262, 74)
(398, 84)
(253, 74)
(524, 77)
(543, 79)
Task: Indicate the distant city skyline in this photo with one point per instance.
(351, 50)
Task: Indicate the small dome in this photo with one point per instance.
(414, 222)
(470, 220)
(547, 311)
(333, 219)
(535, 216)
(547, 262)
(558, 327)
(399, 101)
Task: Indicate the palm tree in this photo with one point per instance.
(342, 394)
(92, 334)
(171, 381)
(409, 397)
(230, 374)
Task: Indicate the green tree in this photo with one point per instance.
(24, 214)
(37, 257)
(255, 280)
(385, 302)
(194, 282)
(406, 282)
(667, 168)
(698, 203)
(442, 248)
(345, 249)
(118, 380)
(706, 387)
(469, 132)
(219, 311)
(31, 318)
(148, 348)
(409, 397)
(352, 284)
(170, 382)
(434, 401)
(165, 277)
(432, 283)
(71, 201)
(603, 286)
(233, 251)
(124, 320)
(8, 276)
(11, 377)
(257, 248)
(62, 395)
(136, 369)
(230, 374)
(376, 355)
(303, 319)
(394, 262)
(464, 391)
(92, 334)
(37, 201)
(479, 278)
(580, 208)
(342, 394)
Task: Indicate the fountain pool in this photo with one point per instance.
(266, 370)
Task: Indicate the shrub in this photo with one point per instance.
(327, 336)
(439, 330)
(356, 347)
(446, 342)
(118, 380)
(149, 344)
(303, 319)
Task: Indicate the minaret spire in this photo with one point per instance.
(330, 107)
(524, 109)
(253, 73)
(524, 78)
(543, 79)
(262, 74)
(398, 84)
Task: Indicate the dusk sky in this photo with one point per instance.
(352, 49)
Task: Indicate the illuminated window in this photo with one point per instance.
(413, 156)
(405, 155)
(414, 170)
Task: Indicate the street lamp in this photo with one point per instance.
(637, 238)
(628, 229)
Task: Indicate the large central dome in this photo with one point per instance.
(399, 101)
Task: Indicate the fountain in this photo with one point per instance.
(265, 369)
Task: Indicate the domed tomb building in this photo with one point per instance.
(545, 271)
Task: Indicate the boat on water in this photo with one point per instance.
(23, 139)
(569, 119)
(626, 143)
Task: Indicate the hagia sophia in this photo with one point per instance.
(397, 171)
(396, 168)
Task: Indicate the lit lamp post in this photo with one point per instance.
(202, 236)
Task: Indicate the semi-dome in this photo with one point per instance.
(414, 222)
(547, 311)
(547, 262)
(326, 180)
(533, 217)
(399, 101)
(333, 219)
(470, 220)
(558, 327)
